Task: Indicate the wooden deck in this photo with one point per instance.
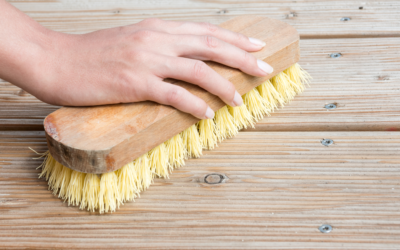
(279, 183)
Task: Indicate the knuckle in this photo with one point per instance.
(144, 36)
(209, 27)
(211, 42)
(175, 96)
(199, 70)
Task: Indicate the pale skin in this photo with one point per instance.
(124, 64)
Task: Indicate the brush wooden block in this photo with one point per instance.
(104, 138)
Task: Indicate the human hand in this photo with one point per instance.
(128, 64)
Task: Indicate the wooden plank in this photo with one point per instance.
(311, 18)
(21, 111)
(363, 82)
(280, 187)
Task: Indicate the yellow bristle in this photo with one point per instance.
(298, 76)
(91, 189)
(127, 179)
(283, 86)
(255, 104)
(224, 123)
(241, 116)
(144, 175)
(75, 188)
(192, 142)
(271, 97)
(54, 177)
(109, 198)
(158, 160)
(47, 167)
(207, 134)
(63, 181)
(176, 151)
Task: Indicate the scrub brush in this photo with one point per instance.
(101, 157)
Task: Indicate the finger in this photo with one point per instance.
(179, 98)
(205, 28)
(198, 73)
(214, 49)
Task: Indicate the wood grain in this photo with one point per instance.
(363, 82)
(311, 18)
(103, 139)
(281, 187)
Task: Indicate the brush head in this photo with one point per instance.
(103, 139)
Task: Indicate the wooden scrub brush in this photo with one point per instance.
(101, 157)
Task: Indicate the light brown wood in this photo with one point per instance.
(281, 187)
(311, 18)
(363, 82)
(104, 138)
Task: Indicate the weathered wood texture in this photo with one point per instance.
(363, 82)
(21, 111)
(281, 187)
(310, 18)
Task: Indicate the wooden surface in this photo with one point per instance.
(105, 138)
(363, 82)
(281, 186)
(311, 18)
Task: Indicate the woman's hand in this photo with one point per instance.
(128, 64)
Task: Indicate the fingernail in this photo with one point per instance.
(209, 113)
(265, 66)
(257, 41)
(237, 100)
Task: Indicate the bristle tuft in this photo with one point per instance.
(192, 142)
(127, 182)
(109, 199)
(91, 189)
(271, 97)
(255, 104)
(283, 86)
(224, 123)
(241, 117)
(47, 167)
(176, 152)
(298, 76)
(158, 160)
(144, 175)
(207, 132)
(75, 188)
(54, 177)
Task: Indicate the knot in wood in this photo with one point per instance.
(215, 178)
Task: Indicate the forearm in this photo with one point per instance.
(22, 44)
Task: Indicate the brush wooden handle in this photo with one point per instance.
(104, 138)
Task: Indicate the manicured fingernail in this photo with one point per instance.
(265, 66)
(237, 100)
(257, 41)
(209, 113)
